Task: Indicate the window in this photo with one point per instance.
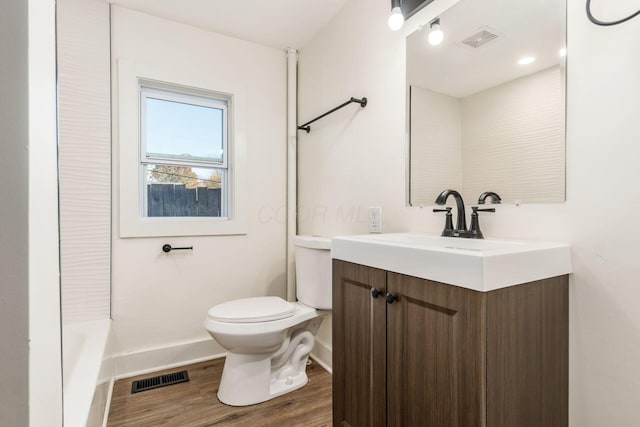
(184, 142)
(180, 130)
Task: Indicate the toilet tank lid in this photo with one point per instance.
(252, 310)
(312, 242)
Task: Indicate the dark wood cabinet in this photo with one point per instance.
(421, 353)
(435, 354)
(359, 390)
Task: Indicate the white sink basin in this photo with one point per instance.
(481, 265)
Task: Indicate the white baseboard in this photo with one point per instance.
(322, 354)
(156, 359)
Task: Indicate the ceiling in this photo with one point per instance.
(524, 28)
(276, 23)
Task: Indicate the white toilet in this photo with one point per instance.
(268, 339)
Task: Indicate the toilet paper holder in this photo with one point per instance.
(168, 248)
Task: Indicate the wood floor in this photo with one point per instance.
(194, 403)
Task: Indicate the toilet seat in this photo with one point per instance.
(252, 310)
(255, 329)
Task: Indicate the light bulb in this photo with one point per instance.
(396, 20)
(435, 35)
(563, 52)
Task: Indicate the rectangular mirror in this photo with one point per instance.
(486, 106)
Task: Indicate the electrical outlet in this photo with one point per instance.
(375, 219)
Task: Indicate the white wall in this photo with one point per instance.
(513, 140)
(161, 300)
(356, 158)
(436, 144)
(509, 139)
(30, 374)
(85, 158)
(45, 374)
(14, 274)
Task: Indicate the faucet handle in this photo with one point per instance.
(474, 229)
(448, 230)
(477, 209)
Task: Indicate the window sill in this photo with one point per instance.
(182, 226)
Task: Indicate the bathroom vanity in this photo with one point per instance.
(436, 331)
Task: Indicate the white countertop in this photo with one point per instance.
(478, 264)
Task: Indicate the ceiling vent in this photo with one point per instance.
(480, 37)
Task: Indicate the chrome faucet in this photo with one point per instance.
(461, 223)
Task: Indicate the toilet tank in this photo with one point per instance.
(313, 271)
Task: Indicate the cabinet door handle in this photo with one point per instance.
(376, 293)
(391, 298)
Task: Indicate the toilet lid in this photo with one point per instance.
(252, 310)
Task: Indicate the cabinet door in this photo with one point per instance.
(358, 346)
(435, 353)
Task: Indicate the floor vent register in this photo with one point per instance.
(159, 381)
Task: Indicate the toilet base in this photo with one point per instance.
(250, 378)
(247, 380)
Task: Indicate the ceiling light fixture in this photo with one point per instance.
(435, 33)
(396, 20)
(526, 60)
(563, 52)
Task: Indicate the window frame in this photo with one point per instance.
(172, 93)
(130, 222)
